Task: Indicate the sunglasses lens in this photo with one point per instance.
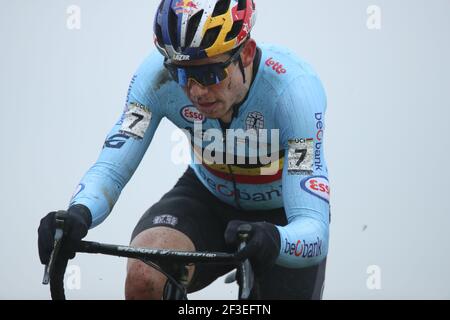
(205, 75)
(211, 76)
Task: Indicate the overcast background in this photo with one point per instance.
(387, 146)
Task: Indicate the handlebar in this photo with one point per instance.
(54, 271)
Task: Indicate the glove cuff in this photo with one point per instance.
(272, 230)
(83, 212)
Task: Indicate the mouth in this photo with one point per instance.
(206, 106)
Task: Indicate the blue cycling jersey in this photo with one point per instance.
(270, 156)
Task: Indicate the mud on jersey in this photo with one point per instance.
(272, 155)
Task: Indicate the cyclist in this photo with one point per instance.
(209, 76)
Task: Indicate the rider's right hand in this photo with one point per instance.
(76, 226)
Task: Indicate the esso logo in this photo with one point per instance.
(317, 186)
(191, 114)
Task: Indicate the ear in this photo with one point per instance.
(248, 52)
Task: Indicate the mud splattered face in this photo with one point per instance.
(216, 101)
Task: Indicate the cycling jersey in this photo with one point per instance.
(270, 155)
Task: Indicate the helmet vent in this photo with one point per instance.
(237, 26)
(192, 27)
(221, 8)
(173, 25)
(242, 4)
(210, 37)
(160, 7)
(159, 36)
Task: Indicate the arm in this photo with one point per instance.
(122, 151)
(304, 241)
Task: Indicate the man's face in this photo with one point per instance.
(216, 101)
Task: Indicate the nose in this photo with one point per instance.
(195, 89)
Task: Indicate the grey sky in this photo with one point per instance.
(62, 90)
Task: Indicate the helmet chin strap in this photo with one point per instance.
(241, 66)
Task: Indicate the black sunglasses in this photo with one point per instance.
(206, 75)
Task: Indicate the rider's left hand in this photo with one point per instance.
(263, 246)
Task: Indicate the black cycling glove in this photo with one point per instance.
(263, 246)
(76, 226)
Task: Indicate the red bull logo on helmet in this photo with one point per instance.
(186, 4)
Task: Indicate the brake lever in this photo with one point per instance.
(246, 272)
(59, 232)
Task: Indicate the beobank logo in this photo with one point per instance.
(191, 114)
(272, 194)
(276, 66)
(317, 186)
(303, 249)
(319, 137)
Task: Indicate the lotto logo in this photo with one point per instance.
(276, 66)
